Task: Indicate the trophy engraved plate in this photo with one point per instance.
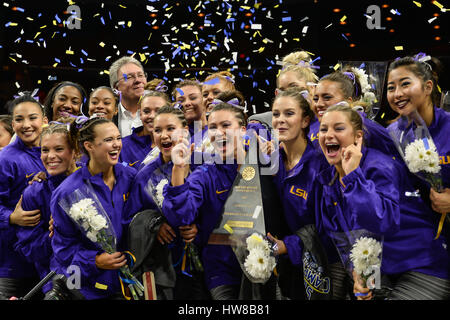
(243, 210)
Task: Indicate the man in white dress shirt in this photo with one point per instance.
(128, 76)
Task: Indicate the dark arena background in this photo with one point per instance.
(44, 42)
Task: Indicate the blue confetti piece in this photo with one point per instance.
(125, 77)
(102, 20)
(286, 19)
(425, 143)
(84, 52)
(212, 81)
(57, 60)
(57, 18)
(180, 91)
(362, 66)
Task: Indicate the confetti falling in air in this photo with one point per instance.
(191, 39)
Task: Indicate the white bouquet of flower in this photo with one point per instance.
(365, 256)
(416, 146)
(360, 252)
(155, 185)
(158, 179)
(84, 208)
(255, 255)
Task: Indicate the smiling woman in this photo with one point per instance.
(19, 161)
(64, 97)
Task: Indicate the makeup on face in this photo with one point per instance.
(67, 99)
(326, 94)
(27, 123)
(56, 154)
(406, 92)
(335, 133)
(103, 104)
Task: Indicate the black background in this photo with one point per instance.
(255, 72)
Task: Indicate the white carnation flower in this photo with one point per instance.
(80, 210)
(159, 191)
(258, 264)
(92, 235)
(363, 79)
(366, 252)
(97, 222)
(418, 158)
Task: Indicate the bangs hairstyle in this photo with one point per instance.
(26, 97)
(241, 117)
(167, 109)
(85, 132)
(425, 70)
(296, 94)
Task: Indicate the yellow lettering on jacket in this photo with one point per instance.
(299, 192)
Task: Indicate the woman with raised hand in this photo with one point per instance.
(58, 156)
(201, 197)
(412, 86)
(169, 125)
(137, 146)
(345, 87)
(100, 139)
(65, 97)
(19, 162)
(355, 192)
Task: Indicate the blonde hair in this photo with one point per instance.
(225, 76)
(299, 62)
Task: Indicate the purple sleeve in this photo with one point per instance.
(294, 248)
(67, 243)
(372, 199)
(5, 193)
(181, 203)
(33, 242)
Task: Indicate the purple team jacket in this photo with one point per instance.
(135, 148)
(375, 136)
(295, 187)
(18, 164)
(72, 247)
(201, 199)
(34, 242)
(376, 197)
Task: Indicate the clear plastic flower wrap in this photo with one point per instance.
(255, 254)
(416, 146)
(361, 254)
(87, 212)
(158, 179)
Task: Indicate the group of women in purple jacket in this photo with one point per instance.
(337, 169)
